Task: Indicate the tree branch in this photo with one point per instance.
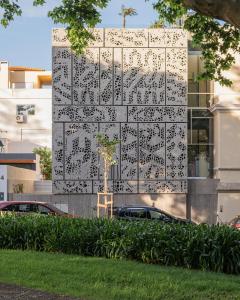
(226, 10)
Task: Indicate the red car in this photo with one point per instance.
(31, 207)
(235, 223)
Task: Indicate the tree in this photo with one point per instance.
(126, 12)
(228, 10)
(45, 161)
(157, 24)
(107, 150)
(218, 40)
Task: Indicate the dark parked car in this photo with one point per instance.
(235, 223)
(146, 213)
(24, 207)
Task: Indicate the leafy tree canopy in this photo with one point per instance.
(218, 40)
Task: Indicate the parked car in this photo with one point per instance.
(146, 213)
(25, 207)
(235, 223)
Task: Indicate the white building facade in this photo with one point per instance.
(25, 106)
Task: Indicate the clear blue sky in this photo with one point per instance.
(27, 41)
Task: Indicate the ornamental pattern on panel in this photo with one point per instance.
(130, 84)
(144, 76)
(81, 157)
(86, 78)
(62, 76)
(58, 145)
(152, 151)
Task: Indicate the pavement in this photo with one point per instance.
(14, 292)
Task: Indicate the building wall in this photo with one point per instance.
(10, 177)
(3, 183)
(227, 141)
(131, 85)
(36, 129)
(27, 78)
(4, 75)
(202, 200)
(228, 205)
(226, 110)
(17, 176)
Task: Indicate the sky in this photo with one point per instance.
(27, 40)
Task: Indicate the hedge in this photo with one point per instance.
(214, 248)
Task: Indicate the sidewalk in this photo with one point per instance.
(14, 292)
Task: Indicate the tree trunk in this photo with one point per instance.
(226, 10)
(124, 21)
(105, 188)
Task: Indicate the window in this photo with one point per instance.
(24, 207)
(10, 208)
(44, 210)
(200, 122)
(136, 213)
(200, 160)
(158, 215)
(26, 109)
(18, 207)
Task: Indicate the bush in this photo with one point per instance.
(215, 248)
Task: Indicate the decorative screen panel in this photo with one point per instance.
(130, 84)
(143, 76)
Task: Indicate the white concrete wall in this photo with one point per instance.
(3, 181)
(41, 121)
(228, 206)
(4, 75)
(30, 78)
(20, 176)
(226, 111)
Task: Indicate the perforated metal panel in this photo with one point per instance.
(130, 84)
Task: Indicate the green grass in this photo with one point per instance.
(99, 278)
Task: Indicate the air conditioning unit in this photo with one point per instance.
(20, 119)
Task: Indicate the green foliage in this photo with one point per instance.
(157, 24)
(109, 279)
(218, 41)
(127, 11)
(107, 148)
(215, 248)
(45, 161)
(78, 15)
(10, 10)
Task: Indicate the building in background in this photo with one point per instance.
(213, 144)
(25, 123)
(25, 106)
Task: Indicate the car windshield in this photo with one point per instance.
(54, 208)
(233, 221)
(155, 214)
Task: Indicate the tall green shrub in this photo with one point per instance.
(213, 248)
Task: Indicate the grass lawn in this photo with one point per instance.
(105, 279)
